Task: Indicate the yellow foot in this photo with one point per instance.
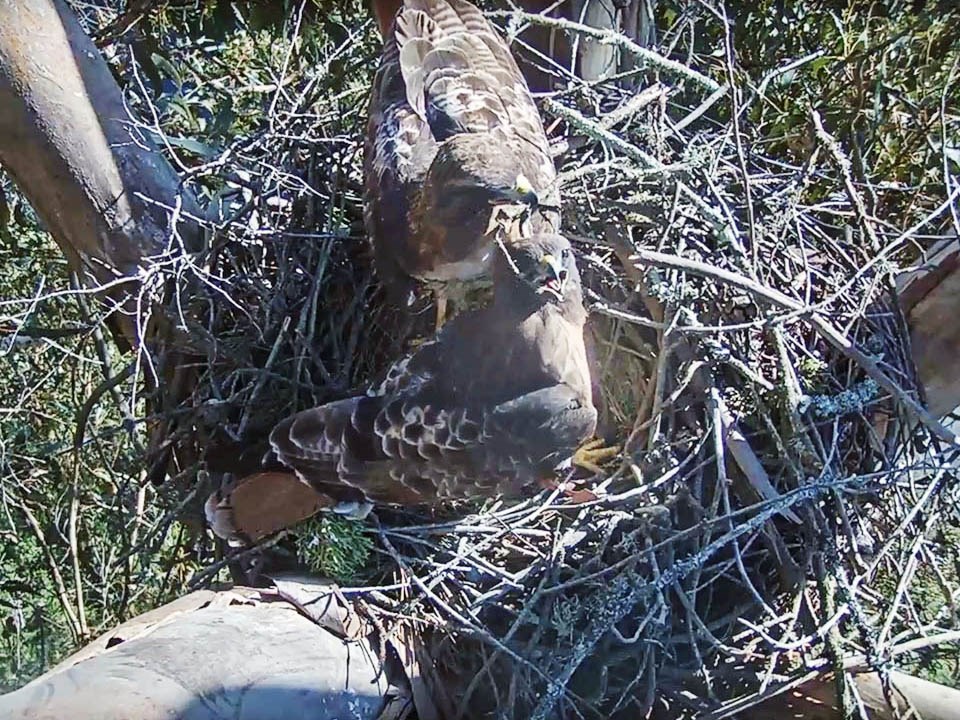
(591, 455)
(414, 343)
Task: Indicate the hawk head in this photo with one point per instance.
(482, 172)
(538, 270)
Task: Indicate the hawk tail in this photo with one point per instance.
(315, 442)
(337, 450)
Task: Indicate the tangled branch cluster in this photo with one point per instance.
(782, 500)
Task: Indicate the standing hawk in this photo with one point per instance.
(453, 134)
(496, 402)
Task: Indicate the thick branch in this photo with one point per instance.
(209, 656)
(99, 186)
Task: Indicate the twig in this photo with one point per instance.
(846, 172)
(612, 38)
(827, 331)
(211, 571)
(108, 384)
(74, 544)
(62, 594)
(598, 132)
(621, 597)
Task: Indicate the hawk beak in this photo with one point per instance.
(556, 281)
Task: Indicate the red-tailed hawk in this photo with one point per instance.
(496, 402)
(453, 133)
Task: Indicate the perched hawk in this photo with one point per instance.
(497, 401)
(453, 134)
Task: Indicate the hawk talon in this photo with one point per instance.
(592, 454)
(352, 510)
(576, 496)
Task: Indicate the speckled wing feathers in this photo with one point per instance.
(459, 75)
(445, 72)
(406, 443)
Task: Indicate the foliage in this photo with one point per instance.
(335, 547)
(688, 562)
(933, 602)
(204, 82)
(882, 75)
(68, 512)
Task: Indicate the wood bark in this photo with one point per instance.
(930, 298)
(596, 60)
(96, 180)
(816, 700)
(239, 654)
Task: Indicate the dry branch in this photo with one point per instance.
(829, 333)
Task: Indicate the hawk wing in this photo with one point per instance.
(398, 151)
(438, 427)
(408, 450)
(444, 72)
(459, 76)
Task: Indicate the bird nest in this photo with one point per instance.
(777, 507)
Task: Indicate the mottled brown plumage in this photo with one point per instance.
(452, 127)
(496, 402)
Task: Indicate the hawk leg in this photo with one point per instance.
(592, 454)
(441, 298)
(352, 509)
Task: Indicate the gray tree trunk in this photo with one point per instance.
(96, 180)
(241, 654)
